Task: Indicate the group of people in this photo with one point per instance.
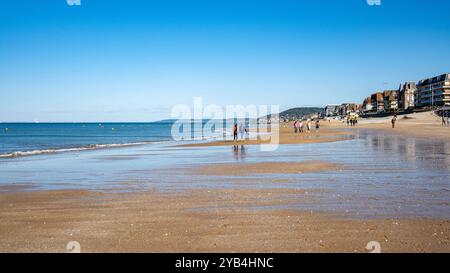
(352, 121)
(300, 127)
(243, 131)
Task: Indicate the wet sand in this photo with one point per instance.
(198, 221)
(327, 133)
(267, 168)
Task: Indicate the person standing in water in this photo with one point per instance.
(235, 132)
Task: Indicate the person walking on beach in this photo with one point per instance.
(394, 119)
(235, 132)
(317, 125)
(300, 126)
(295, 126)
(297, 129)
(308, 126)
(241, 131)
(444, 120)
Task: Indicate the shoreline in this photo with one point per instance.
(326, 134)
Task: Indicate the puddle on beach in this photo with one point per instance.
(385, 175)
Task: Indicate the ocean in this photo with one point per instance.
(20, 139)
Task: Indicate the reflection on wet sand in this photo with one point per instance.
(432, 153)
(239, 152)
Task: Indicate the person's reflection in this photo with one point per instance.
(236, 152)
(239, 153)
(243, 152)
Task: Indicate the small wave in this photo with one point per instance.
(75, 149)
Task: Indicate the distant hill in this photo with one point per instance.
(294, 113)
(300, 112)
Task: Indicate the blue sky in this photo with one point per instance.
(128, 60)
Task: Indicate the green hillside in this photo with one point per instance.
(299, 112)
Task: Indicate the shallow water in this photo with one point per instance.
(384, 175)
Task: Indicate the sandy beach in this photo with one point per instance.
(422, 125)
(174, 222)
(232, 219)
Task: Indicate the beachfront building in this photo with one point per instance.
(406, 93)
(377, 102)
(367, 105)
(331, 110)
(390, 100)
(433, 92)
(347, 108)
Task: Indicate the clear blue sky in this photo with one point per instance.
(127, 60)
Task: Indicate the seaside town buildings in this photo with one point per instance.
(428, 93)
(331, 110)
(390, 100)
(377, 102)
(347, 108)
(367, 104)
(406, 95)
(433, 92)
